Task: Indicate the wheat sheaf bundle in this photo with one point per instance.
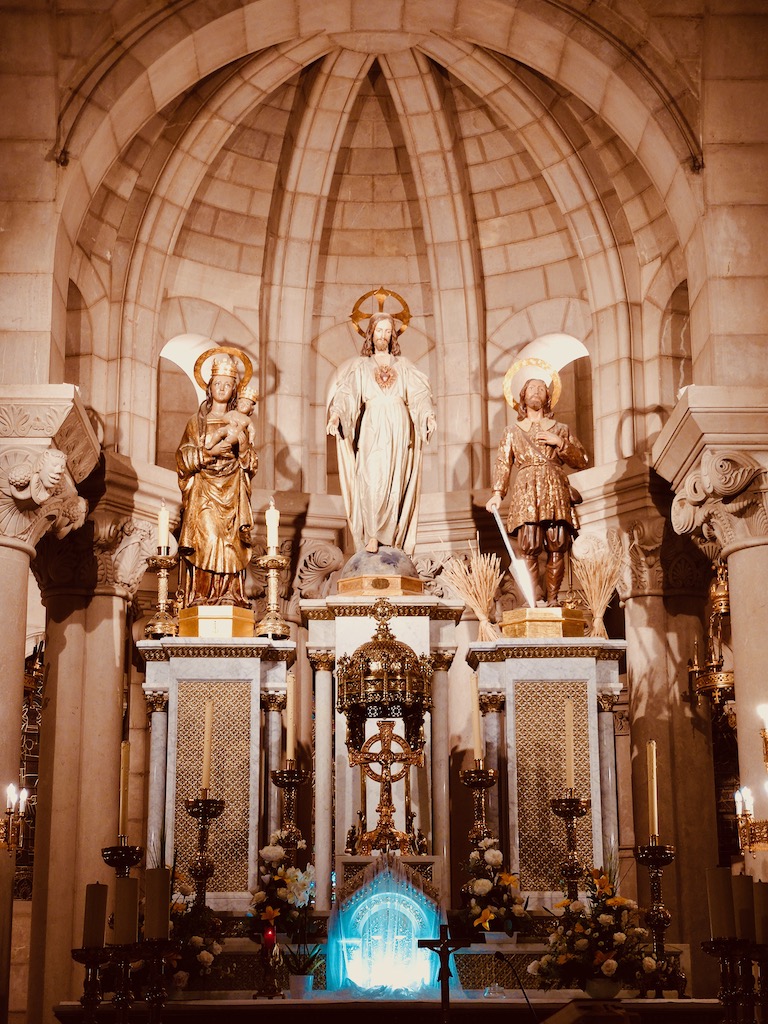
(598, 565)
(476, 581)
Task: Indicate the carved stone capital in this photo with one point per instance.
(724, 499)
(47, 446)
(321, 661)
(272, 701)
(492, 703)
(661, 563)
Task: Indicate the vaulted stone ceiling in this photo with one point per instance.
(510, 169)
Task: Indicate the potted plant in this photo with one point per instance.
(598, 945)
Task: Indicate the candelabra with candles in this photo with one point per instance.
(479, 779)
(12, 825)
(570, 808)
(656, 856)
(753, 835)
(273, 624)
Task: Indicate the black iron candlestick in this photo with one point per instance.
(122, 857)
(93, 958)
(479, 780)
(206, 809)
(569, 808)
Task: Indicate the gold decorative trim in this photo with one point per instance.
(265, 652)
(321, 661)
(492, 703)
(433, 612)
(519, 651)
(272, 701)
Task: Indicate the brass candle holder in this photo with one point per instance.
(206, 809)
(570, 807)
(122, 857)
(12, 826)
(656, 856)
(753, 835)
(288, 780)
(273, 624)
(479, 780)
(162, 622)
(93, 958)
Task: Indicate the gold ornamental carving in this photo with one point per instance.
(322, 661)
(492, 703)
(181, 650)
(442, 660)
(524, 651)
(436, 613)
(607, 701)
(273, 701)
(156, 701)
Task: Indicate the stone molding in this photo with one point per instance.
(724, 499)
(660, 563)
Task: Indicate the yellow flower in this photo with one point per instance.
(617, 901)
(562, 903)
(269, 914)
(486, 916)
(506, 879)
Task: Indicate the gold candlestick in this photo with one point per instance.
(479, 780)
(205, 809)
(289, 779)
(569, 808)
(162, 622)
(656, 856)
(273, 624)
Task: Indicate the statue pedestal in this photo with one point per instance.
(181, 675)
(533, 679)
(220, 621)
(531, 623)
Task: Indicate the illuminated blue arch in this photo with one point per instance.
(373, 936)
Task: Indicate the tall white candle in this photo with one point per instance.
(207, 745)
(125, 769)
(653, 792)
(569, 758)
(95, 916)
(272, 519)
(163, 527)
(477, 726)
(290, 717)
(10, 797)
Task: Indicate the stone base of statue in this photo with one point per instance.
(220, 621)
(388, 572)
(531, 623)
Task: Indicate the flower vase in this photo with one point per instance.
(300, 985)
(603, 988)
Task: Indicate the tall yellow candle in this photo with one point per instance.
(653, 791)
(569, 758)
(290, 717)
(207, 745)
(125, 768)
(477, 726)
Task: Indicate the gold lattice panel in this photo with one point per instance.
(540, 745)
(230, 777)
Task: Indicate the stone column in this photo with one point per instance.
(85, 583)
(663, 597)
(157, 711)
(46, 448)
(441, 795)
(607, 745)
(322, 662)
(273, 704)
(492, 707)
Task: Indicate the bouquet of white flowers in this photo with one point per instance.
(492, 897)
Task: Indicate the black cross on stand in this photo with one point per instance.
(444, 947)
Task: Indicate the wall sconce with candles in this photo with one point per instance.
(12, 825)
(712, 680)
(753, 835)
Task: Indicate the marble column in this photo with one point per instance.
(47, 447)
(86, 583)
(273, 705)
(322, 662)
(492, 708)
(157, 710)
(607, 744)
(441, 751)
